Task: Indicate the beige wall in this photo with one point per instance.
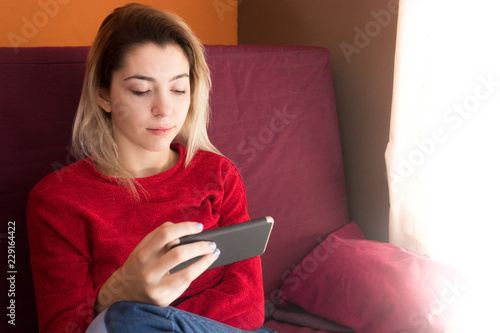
(360, 35)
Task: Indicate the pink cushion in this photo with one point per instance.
(373, 287)
(350, 231)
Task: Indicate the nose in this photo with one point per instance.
(162, 107)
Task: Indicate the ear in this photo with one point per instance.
(103, 100)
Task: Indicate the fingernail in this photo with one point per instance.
(216, 253)
(199, 226)
(212, 246)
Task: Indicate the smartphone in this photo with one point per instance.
(236, 242)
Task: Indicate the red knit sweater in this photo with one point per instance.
(82, 226)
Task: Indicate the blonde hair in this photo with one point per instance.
(123, 30)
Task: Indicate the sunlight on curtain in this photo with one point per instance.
(443, 156)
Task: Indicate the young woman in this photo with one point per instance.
(101, 232)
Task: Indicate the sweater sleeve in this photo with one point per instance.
(238, 300)
(64, 290)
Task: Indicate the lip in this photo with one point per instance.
(161, 131)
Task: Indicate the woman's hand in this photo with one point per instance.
(145, 277)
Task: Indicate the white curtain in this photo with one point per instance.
(443, 156)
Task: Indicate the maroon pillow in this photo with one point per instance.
(374, 287)
(350, 231)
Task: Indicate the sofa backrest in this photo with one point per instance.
(273, 115)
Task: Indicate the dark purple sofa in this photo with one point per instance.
(273, 114)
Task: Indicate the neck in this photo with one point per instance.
(148, 164)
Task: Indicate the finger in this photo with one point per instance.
(178, 255)
(185, 252)
(174, 285)
(171, 244)
(148, 237)
(185, 276)
(166, 233)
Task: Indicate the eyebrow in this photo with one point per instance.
(151, 79)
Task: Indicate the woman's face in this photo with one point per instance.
(148, 98)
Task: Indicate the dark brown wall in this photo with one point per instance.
(360, 35)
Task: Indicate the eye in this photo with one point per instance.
(179, 92)
(140, 93)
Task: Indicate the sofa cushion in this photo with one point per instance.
(295, 315)
(39, 93)
(290, 328)
(274, 116)
(374, 287)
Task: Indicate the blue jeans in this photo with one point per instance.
(124, 317)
